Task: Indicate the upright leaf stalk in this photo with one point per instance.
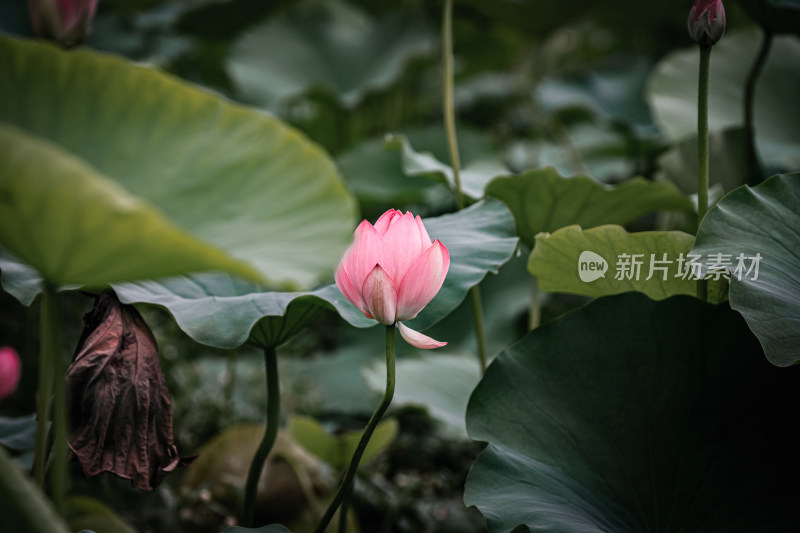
(347, 481)
(702, 134)
(270, 434)
(51, 392)
(754, 172)
(706, 25)
(455, 162)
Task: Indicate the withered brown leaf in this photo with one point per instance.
(120, 408)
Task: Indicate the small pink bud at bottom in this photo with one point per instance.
(10, 368)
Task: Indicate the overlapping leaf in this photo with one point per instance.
(224, 174)
(542, 200)
(76, 227)
(656, 263)
(220, 311)
(631, 415)
(762, 226)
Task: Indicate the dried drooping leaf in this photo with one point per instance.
(120, 408)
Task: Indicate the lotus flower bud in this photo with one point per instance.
(707, 21)
(10, 367)
(392, 270)
(67, 22)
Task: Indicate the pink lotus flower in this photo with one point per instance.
(707, 21)
(392, 270)
(9, 371)
(65, 21)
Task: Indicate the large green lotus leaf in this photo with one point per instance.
(220, 311)
(76, 227)
(226, 174)
(543, 200)
(672, 94)
(326, 44)
(633, 415)
(609, 260)
(761, 220)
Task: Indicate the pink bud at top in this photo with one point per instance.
(10, 367)
(707, 21)
(392, 270)
(65, 21)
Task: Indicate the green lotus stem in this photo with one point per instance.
(753, 165)
(271, 432)
(343, 511)
(230, 385)
(535, 317)
(350, 473)
(702, 148)
(480, 335)
(51, 383)
(455, 160)
(449, 107)
(43, 394)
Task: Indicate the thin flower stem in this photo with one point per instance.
(350, 473)
(43, 399)
(449, 107)
(702, 148)
(51, 383)
(230, 383)
(754, 175)
(535, 317)
(343, 511)
(271, 432)
(480, 335)
(455, 160)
